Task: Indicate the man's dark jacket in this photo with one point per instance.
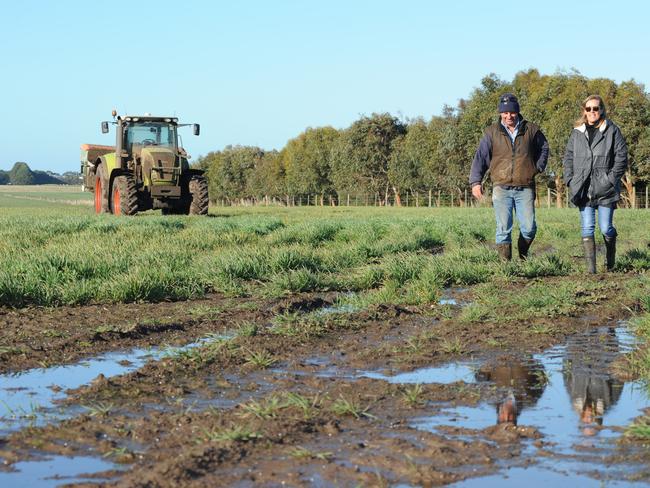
(510, 164)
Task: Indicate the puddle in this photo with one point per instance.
(567, 392)
(449, 373)
(534, 476)
(450, 297)
(29, 398)
(342, 308)
(55, 471)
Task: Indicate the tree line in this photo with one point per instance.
(21, 174)
(389, 158)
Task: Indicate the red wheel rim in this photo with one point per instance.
(116, 201)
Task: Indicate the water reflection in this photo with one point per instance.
(586, 371)
(570, 394)
(520, 380)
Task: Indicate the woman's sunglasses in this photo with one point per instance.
(589, 109)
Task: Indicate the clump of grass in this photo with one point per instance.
(10, 350)
(452, 346)
(636, 260)
(247, 329)
(538, 266)
(343, 407)
(475, 312)
(639, 429)
(260, 359)
(99, 409)
(238, 433)
(264, 410)
(295, 259)
(541, 329)
(298, 281)
(412, 395)
(307, 406)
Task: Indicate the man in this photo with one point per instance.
(514, 150)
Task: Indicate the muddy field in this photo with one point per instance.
(301, 392)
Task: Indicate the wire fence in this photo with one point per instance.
(545, 198)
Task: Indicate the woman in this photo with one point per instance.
(594, 163)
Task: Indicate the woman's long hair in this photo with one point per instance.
(602, 111)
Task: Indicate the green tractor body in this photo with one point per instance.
(146, 169)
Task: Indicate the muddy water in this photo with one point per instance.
(55, 471)
(29, 398)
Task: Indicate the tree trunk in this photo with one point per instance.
(398, 199)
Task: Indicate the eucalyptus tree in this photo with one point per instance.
(474, 115)
(229, 171)
(267, 179)
(307, 162)
(362, 156)
(410, 158)
(631, 112)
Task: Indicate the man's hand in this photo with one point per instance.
(477, 191)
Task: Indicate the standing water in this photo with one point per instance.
(571, 396)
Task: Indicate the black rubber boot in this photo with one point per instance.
(610, 255)
(590, 253)
(505, 251)
(523, 245)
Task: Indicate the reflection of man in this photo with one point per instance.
(586, 368)
(524, 380)
(514, 150)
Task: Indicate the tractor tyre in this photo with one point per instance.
(101, 190)
(124, 195)
(198, 189)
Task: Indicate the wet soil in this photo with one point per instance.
(265, 401)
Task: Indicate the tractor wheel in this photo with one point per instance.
(198, 188)
(124, 195)
(101, 190)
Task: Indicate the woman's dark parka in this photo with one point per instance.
(593, 172)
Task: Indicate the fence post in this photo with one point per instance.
(646, 196)
(429, 197)
(548, 198)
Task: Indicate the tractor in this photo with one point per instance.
(146, 169)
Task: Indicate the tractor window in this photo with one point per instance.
(150, 134)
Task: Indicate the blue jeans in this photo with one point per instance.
(522, 201)
(605, 221)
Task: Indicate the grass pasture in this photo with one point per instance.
(54, 251)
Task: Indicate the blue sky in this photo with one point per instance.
(260, 72)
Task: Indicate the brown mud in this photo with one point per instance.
(281, 403)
